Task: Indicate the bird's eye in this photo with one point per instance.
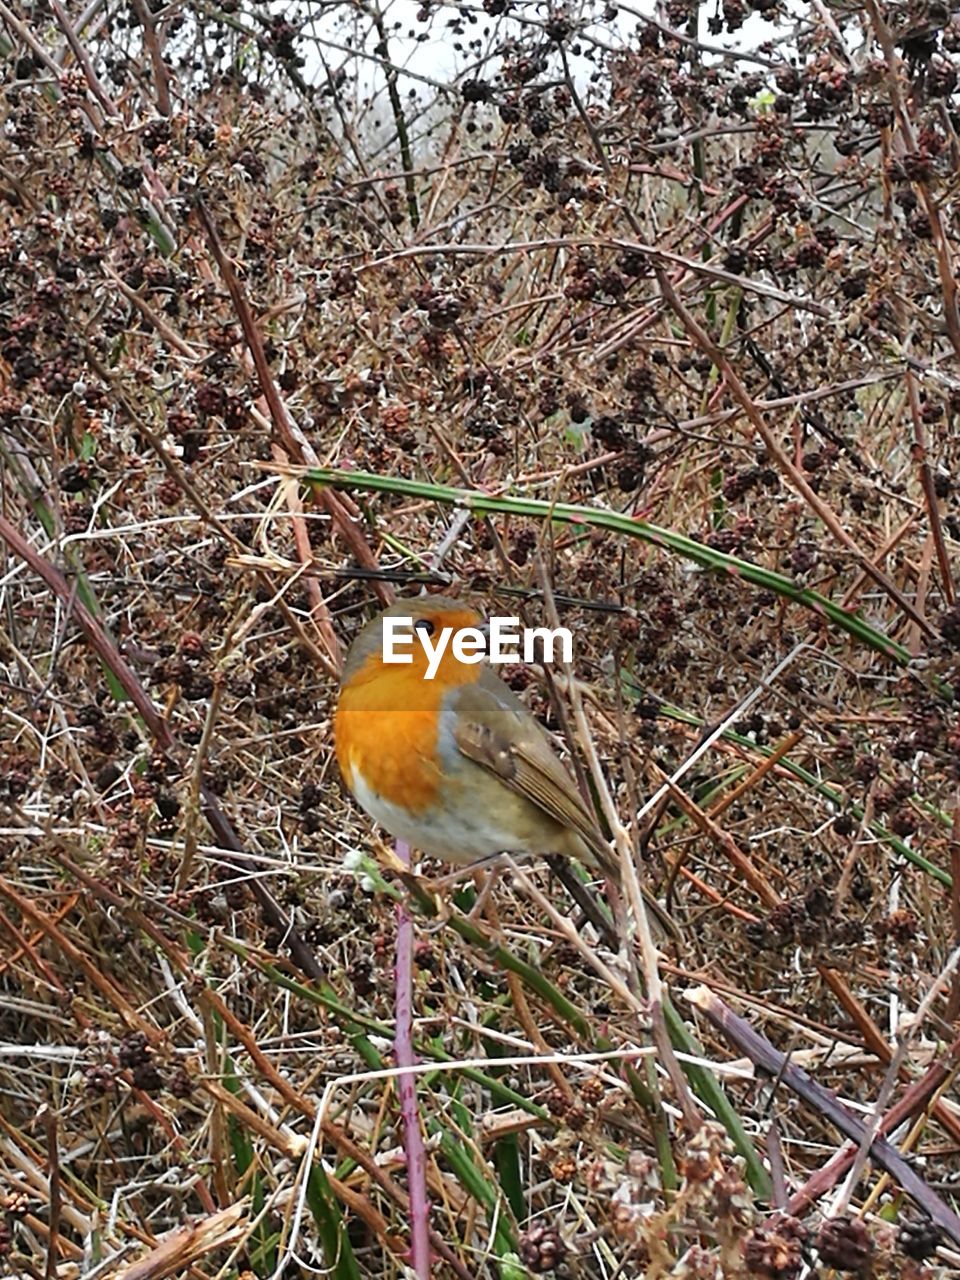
(424, 625)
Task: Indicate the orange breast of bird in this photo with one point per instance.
(386, 729)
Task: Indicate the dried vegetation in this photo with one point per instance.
(582, 256)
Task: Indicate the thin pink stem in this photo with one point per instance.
(407, 1090)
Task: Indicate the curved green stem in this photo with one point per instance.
(597, 518)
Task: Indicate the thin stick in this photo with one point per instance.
(53, 1162)
(631, 882)
(407, 1087)
(774, 1063)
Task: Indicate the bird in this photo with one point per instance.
(457, 766)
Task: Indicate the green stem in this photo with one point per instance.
(615, 522)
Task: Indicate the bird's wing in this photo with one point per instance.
(496, 731)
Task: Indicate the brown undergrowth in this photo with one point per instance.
(581, 257)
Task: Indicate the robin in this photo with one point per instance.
(456, 766)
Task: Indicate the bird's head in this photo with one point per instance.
(425, 643)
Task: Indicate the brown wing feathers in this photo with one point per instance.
(496, 731)
(520, 754)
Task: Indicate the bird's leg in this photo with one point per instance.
(490, 878)
(455, 877)
(484, 880)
